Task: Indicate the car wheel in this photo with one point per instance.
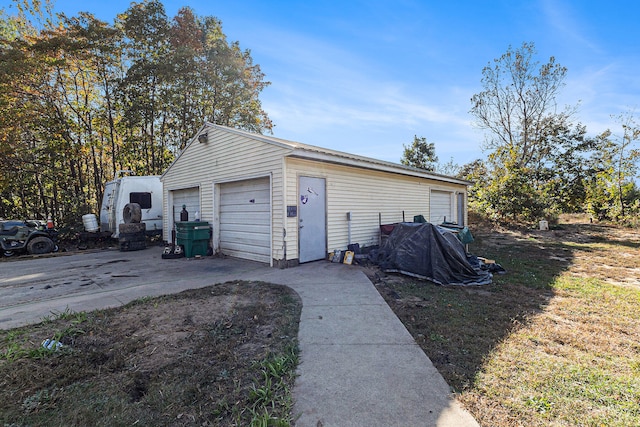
(132, 213)
(8, 253)
(40, 245)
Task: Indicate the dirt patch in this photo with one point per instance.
(200, 357)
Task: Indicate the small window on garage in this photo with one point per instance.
(143, 199)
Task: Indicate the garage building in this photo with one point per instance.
(282, 202)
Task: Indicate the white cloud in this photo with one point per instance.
(324, 94)
(564, 19)
(604, 91)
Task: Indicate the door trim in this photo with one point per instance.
(325, 225)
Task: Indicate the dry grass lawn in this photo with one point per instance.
(223, 355)
(554, 342)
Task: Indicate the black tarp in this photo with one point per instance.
(430, 252)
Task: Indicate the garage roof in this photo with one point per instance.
(311, 152)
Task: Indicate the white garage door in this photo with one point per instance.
(245, 219)
(189, 197)
(440, 207)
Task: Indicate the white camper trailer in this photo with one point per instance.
(143, 190)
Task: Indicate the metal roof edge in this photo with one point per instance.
(257, 136)
(299, 148)
(311, 152)
(346, 159)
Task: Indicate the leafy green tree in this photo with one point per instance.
(145, 29)
(526, 137)
(88, 76)
(517, 101)
(449, 168)
(212, 79)
(81, 99)
(476, 172)
(420, 154)
(186, 38)
(612, 192)
(30, 125)
(560, 179)
(233, 81)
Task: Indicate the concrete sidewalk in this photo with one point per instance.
(359, 365)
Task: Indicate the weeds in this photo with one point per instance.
(271, 400)
(539, 404)
(19, 344)
(67, 314)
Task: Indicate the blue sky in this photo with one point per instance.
(366, 76)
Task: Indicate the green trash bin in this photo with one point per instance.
(194, 237)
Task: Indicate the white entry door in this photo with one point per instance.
(312, 219)
(461, 209)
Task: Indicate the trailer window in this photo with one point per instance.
(143, 199)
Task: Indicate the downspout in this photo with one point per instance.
(348, 228)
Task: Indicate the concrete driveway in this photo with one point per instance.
(32, 288)
(359, 366)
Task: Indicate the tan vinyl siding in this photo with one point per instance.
(364, 193)
(364, 187)
(227, 157)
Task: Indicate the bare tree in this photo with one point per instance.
(516, 104)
